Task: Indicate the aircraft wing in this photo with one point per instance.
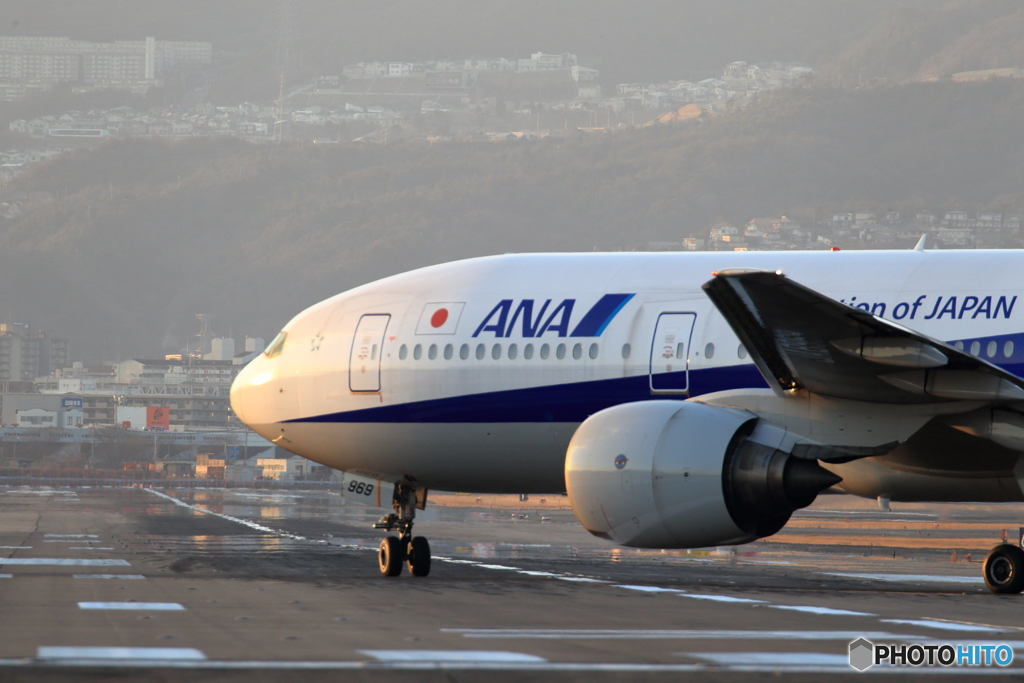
(802, 339)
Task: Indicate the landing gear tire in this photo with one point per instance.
(417, 556)
(1004, 569)
(413, 550)
(390, 556)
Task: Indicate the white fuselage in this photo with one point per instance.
(486, 395)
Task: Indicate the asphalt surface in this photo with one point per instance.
(139, 584)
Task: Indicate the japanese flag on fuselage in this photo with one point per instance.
(440, 318)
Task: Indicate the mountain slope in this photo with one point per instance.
(145, 234)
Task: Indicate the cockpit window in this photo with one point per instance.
(276, 346)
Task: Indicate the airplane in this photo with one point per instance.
(680, 399)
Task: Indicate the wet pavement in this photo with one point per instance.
(272, 585)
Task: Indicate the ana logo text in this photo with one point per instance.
(533, 318)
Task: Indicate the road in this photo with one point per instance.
(275, 585)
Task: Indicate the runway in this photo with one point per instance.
(270, 585)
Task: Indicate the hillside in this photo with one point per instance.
(145, 233)
(935, 39)
(649, 39)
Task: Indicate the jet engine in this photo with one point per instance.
(679, 474)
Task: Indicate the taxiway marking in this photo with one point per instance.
(829, 611)
(50, 652)
(946, 625)
(108, 576)
(930, 578)
(61, 561)
(166, 606)
(482, 656)
(671, 634)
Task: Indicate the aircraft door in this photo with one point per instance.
(367, 348)
(670, 351)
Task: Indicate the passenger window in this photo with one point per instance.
(975, 348)
(432, 352)
(448, 350)
(513, 351)
(626, 349)
(990, 351)
(528, 351)
(403, 351)
(417, 352)
(593, 350)
(276, 346)
(496, 351)
(679, 350)
(545, 351)
(373, 352)
(741, 351)
(481, 351)
(709, 350)
(464, 351)
(577, 351)
(959, 346)
(560, 351)
(1008, 349)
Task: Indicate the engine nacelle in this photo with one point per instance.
(672, 474)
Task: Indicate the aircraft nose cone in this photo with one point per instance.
(247, 389)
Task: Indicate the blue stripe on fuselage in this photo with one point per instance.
(555, 403)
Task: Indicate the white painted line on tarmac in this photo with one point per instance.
(62, 561)
(6, 576)
(649, 589)
(68, 540)
(497, 566)
(166, 606)
(120, 653)
(90, 547)
(721, 598)
(15, 547)
(71, 535)
(494, 656)
(851, 513)
(947, 625)
(243, 522)
(531, 667)
(825, 611)
(670, 634)
(914, 578)
(793, 659)
(109, 576)
(527, 572)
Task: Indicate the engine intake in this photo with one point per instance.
(671, 474)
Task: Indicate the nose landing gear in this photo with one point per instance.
(414, 551)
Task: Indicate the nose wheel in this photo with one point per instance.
(413, 551)
(390, 556)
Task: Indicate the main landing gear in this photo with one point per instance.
(1004, 569)
(414, 551)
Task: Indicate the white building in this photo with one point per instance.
(38, 417)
